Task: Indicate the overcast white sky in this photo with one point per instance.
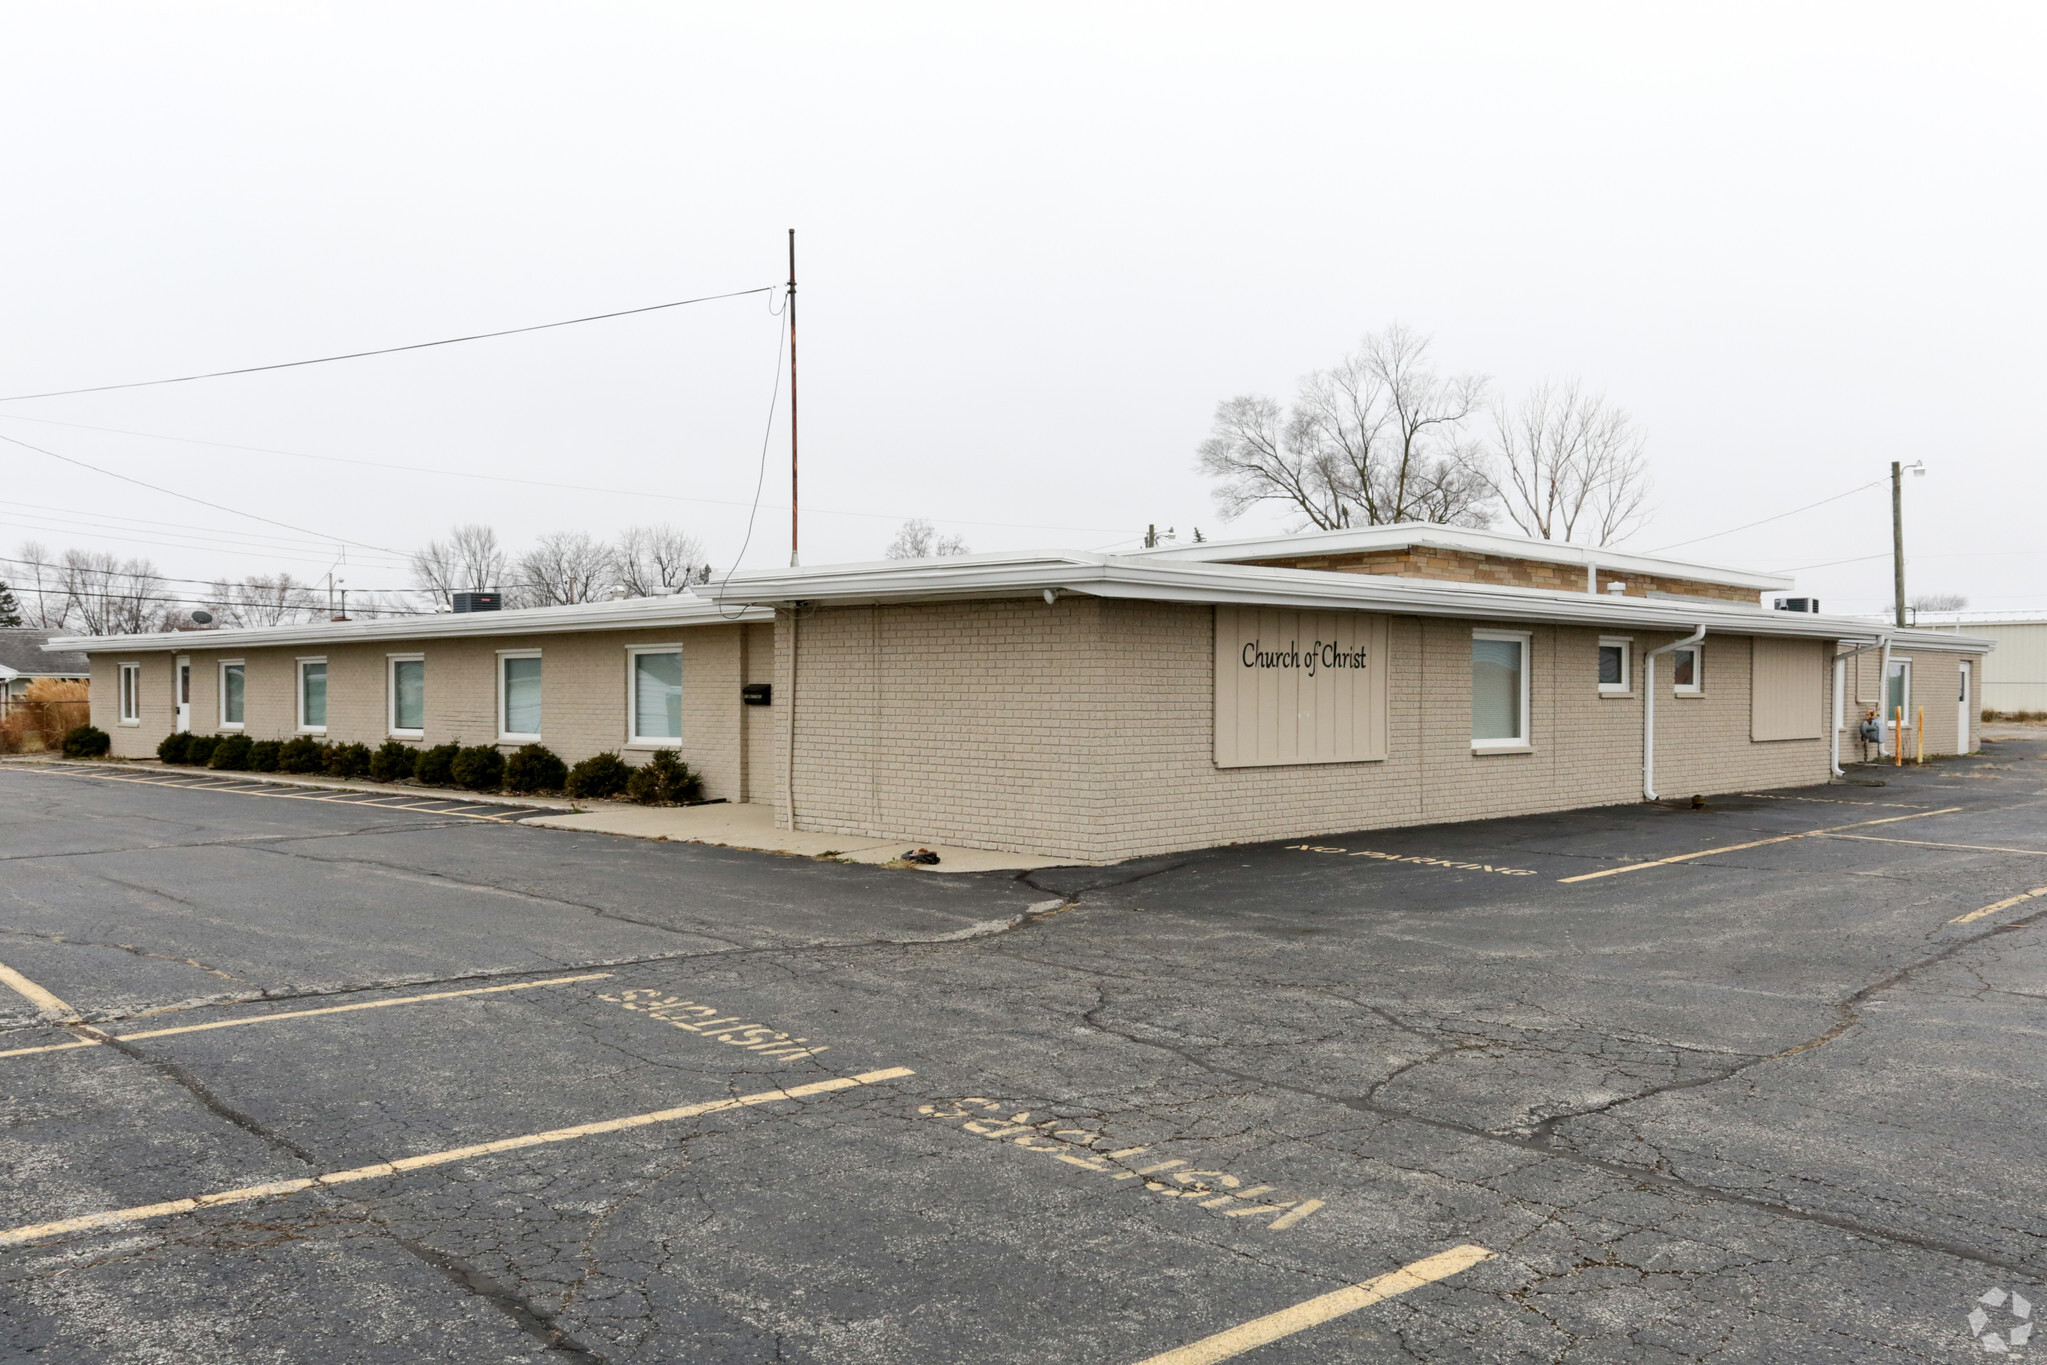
(1038, 244)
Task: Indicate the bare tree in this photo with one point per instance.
(1374, 440)
(264, 601)
(1937, 601)
(648, 558)
(919, 539)
(1567, 465)
(562, 569)
(36, 580)
(106, 596)
(470, 559)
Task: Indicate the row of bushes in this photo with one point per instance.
(532, 768)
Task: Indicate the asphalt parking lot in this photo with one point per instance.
(292, 1080)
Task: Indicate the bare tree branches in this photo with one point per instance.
(1937, 601)
(262, 601)
(1374, 440)
(919, 539)
(103, 595)
(1567, 465)
(469, 560)
(650, 558)
(563, 569)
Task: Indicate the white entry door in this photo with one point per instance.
(184, 693)
(1963, 711)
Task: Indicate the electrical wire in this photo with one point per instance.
(92, 520)
(218, 507)
(530, 483)
(761, 478)
(1766, 520)
(384, 350)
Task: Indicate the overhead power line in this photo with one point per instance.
(1766, 520)
(218, 507)
(383, 350)
(537, 483)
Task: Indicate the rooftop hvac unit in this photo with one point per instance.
(479, 601)
(1811, 604)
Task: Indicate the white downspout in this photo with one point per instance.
(1649, 709)
(1883, 705)
(1841, 700)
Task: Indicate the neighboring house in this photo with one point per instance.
(2015, 677)
(23, 660)
(1100, 706)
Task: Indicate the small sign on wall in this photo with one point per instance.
(1298, 687)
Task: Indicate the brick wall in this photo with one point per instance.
(1086, 730)
(1460, 566)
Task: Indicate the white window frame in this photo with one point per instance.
(1523, 744)
(506, 736)
(130, 712)
(391, 726)
(221, 688)
(1626, 645)
(632, 709)
(298, 673)
(1697, 686)
(1890, 717)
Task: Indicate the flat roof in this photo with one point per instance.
(1406, 534)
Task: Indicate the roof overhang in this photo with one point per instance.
(636, 613)
(1367, 539)
(985, 577)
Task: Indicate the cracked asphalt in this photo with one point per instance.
(1766, 1104)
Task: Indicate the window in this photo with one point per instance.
(1499, 689)
(1688, 671)
(234, 691)
(656, 701)
(519, 696)
(408, 695)
(131, 694)
(313, 695)
(1898, 693)
(1615, 662)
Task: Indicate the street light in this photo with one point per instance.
(1918, 468)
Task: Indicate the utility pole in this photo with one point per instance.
(792, 398)
(1918, 468)
(1898, 538)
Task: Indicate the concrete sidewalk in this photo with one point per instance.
(753, 826)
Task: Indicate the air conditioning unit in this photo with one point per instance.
(1811, 604)
(479, 601)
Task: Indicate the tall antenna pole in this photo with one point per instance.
(792, 398)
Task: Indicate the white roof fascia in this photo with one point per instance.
(632, 614)
(1430, 536)
(997, 576)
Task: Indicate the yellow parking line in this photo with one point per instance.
(28, 990)
(299, 1014)
(1753, 843)
(14, 1236)
(2004, 904)
(1928, 843)
(1313, 1312)
(461, 808)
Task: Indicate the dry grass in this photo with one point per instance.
(2015, 717)
(37, 719)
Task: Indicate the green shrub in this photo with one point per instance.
(172, 750)
(392, 761)
(231, 753)
(599, 775)
(480, 767)
(264, 754)
(534, 768)
(436, 766)
(348, 760)
(86, 741)
(199, 749)
(664, 780)
(302, 755)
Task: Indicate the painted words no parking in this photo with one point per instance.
(731, 1029)
(1447, 864)
(1062, 1140)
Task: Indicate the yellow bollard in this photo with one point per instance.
(1898, 737)
(1919, 735)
